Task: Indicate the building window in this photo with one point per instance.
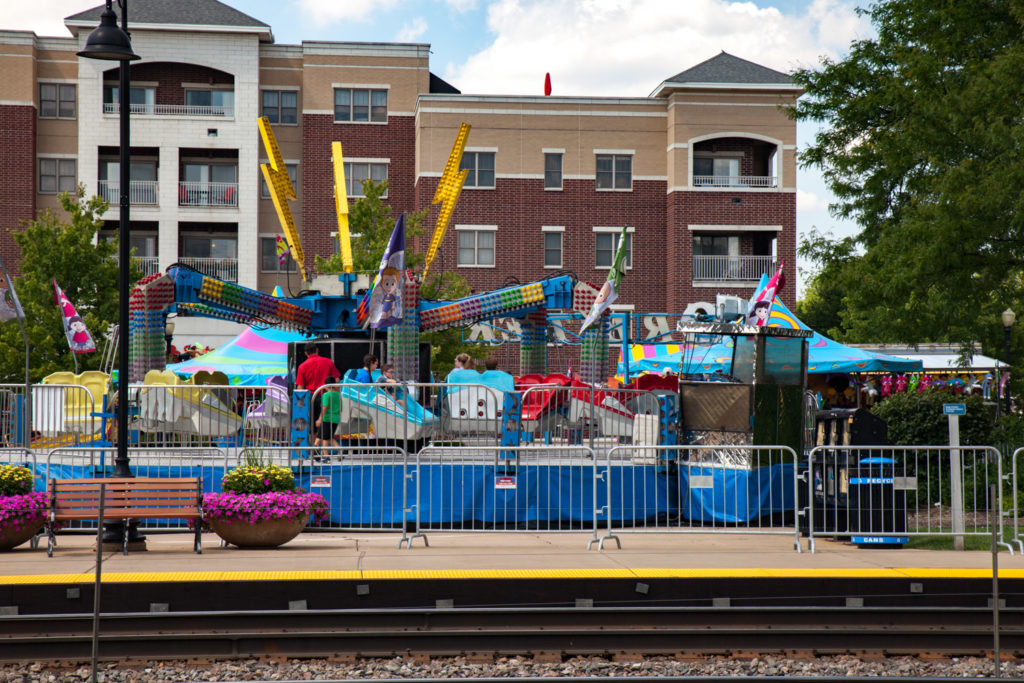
(614, 172)
(360, 106)
(552, 249)
(56, 101)
(606, 245)
(552, 171)
(56, 175)
(293, 174)
(210, 102)
(270, 262)
(209, 246)
(280, 106)
(481, 169)
(476, 247)
(356, 172)
(141, 99)
(716, 171)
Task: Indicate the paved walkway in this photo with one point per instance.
(520, 554)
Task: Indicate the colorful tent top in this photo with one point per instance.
(249, 359)
(823, 354)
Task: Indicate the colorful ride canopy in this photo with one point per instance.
(250, 359)
(823, 354)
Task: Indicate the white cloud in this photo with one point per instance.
(628, 47)
(461, 6)
(45, 17)
(808, 201)
(412, 30)
(329, 11)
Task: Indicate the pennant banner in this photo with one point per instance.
(282, 250)
(385, 308)
(760, 307)
(10, 307)
(610, 290)
(78, 335)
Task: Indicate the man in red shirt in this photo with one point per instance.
(312, 373)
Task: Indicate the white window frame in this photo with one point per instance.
(369, 89)
(475, 171)
(615, 154)
(58, 161)
(57, 86)
(281, 270)
(557, 230)
(280, 91)
(614, 232)
(561, 169)
(356, 192)
(476, 230)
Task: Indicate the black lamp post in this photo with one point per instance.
(112, 43)
(1009, 317)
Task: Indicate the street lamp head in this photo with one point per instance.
(108, 41)
(1009, 317)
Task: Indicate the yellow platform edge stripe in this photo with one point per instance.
(425, 574)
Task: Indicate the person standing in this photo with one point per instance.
(313, 373)
(330, 415)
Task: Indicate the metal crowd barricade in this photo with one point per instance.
(368, 486)
(504, 489)
(886, 494)
(19, 456)
(599, 417)
(700, 489)
(1015, 492)
(98, 462)
(12, 402)
(223, 416)
(64, 414)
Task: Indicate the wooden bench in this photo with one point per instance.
(125, 499)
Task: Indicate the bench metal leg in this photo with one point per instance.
(51, 540)
(199, 537)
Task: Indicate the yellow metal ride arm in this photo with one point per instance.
(281, 190)
(448, 190)
(341, 207)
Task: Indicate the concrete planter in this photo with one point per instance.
(268, 533)
(11, 537)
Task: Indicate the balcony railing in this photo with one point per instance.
(140, 192)
(735, 181)
(148, 264)
(221, 268)
(170, 110)
(732, 267)
(207, 194)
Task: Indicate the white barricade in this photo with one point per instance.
(699, 489)
(61, 414)
(1015, 491)
(877, 495)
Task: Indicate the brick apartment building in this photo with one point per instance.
(702, 170)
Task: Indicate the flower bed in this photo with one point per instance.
(22, 510)
(256, 507)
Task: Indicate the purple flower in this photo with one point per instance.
(27, 508)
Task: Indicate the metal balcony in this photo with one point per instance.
(221, 268)
(140, 192)
(207, 194)
(764, 181)
(171, 110)
(725, 268)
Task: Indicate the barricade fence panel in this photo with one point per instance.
(12, 407)
(60, 414)
(99, 462)
(700, 489)
(498, 489)
(886, 494)
(368, 487)
(1016, 490)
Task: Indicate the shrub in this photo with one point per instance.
(916, 419)
(15, 480)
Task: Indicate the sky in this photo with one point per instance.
(590, 47)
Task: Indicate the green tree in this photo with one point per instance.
(87, 271)
(922, 146)
(371, 219)
(826, 286)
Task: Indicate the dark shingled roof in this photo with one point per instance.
(725, 68)
(199, 12)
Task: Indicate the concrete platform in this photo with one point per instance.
(332, 555)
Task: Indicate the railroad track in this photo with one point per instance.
(493, 632)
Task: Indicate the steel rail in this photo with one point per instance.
(566, 631)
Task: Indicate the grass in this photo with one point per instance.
(976, 542)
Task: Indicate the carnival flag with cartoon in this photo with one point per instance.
(609, 291)
(760, 306)
(385, 308)
(282, 250)
(78, 335)
(10, 307)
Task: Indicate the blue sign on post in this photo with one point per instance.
(954, 408)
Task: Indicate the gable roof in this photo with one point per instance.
(725, 69)
(176, 13)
